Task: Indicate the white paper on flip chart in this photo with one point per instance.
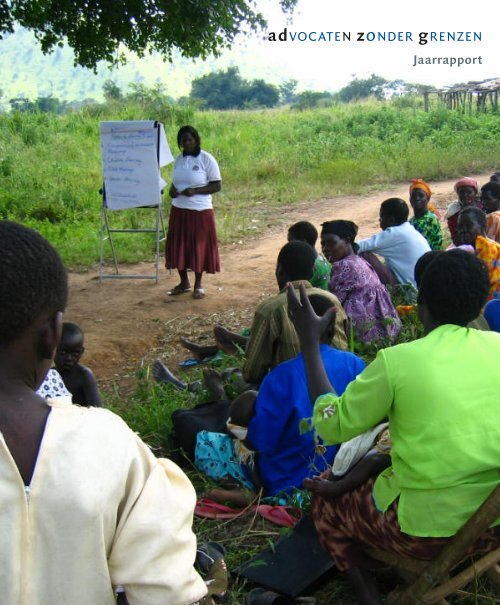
(130, 165)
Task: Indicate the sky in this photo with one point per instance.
(317, 64)
(330, 64)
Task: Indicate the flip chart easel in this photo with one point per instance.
(132, 154)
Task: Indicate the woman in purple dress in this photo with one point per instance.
(365, 299)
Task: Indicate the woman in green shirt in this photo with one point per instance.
(425, 220)
(440, 394)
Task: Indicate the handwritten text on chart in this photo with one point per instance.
(130, 167)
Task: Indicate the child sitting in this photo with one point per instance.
(284, 454)
(79, 379)
(228, 458)
(303, 231)
(357, 460)
(399, 243)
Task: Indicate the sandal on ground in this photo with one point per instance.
(179, 289)
(207, 554)
(209, 509)
(210, 562)
(286, 516)
(261, 596)
(198, 293)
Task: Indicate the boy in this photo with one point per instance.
(303, 231)
(399, 243)
(85, 504)
(79, 379)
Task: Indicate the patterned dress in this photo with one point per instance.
(365, 299)
(489, 252)
(430, 227)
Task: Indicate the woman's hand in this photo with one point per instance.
(309, 329)
(172, 192)
(209, 188)
(308, 325)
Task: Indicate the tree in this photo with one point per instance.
(313, 98)
(288, 91)
(96, 29)
(111, 91)
(220, 89)
(374, 86)
(261, 94)
(21, 104)
(49, 105)
(228, 90)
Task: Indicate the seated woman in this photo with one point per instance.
(490, 199)
(268, 423)
(425, 220)
(365, 299)
(471, 231)
(444, 457)
(467, 190)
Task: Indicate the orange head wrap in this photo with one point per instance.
(420, 184)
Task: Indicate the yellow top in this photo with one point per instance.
(100, 511)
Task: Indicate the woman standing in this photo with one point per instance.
(355, 283)
(192, 237)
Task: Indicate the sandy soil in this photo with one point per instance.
(128, 323)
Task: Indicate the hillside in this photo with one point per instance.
(28, 72)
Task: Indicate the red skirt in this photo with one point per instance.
(192, 241)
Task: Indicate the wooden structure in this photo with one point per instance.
(474, 96)
(432, 582)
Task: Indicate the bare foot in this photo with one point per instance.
(214, 384)
(239, 497)
(199, 351)
(163, 375)
(225, 340)
(327, 489)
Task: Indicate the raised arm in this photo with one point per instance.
(309, 328)
(367, 399)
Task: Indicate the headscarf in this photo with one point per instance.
(344, 229)
(420, 184)
(466, 182)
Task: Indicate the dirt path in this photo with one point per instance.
(129, 322)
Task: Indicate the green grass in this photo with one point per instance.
(50, 166)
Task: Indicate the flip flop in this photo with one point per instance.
(198, 293)
(286, 516)
(208, 553)
(189, 363)
(209, 509)
(178, 290)
(210, 562)
(261, 596)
